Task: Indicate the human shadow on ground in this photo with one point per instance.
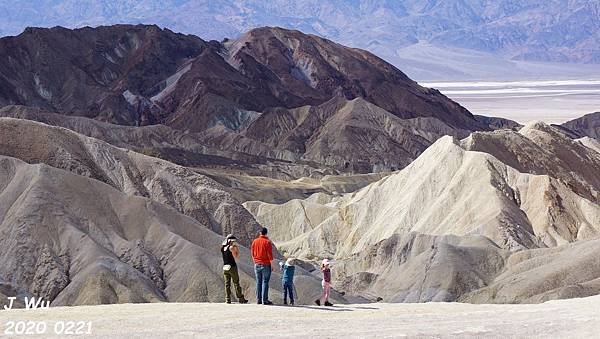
(335, 308)
(322, 308)
(366, 308)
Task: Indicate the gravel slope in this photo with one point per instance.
(575, 318)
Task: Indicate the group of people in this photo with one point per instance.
(262, 254)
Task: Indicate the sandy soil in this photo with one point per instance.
(575, 318)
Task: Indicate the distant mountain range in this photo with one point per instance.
(429, 39)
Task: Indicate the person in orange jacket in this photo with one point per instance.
(262, 254)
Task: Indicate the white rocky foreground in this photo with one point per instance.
(574, 318)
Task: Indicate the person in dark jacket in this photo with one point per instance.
(287, 280)
(230, 252)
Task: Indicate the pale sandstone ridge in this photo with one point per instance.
(74, 240)
(591, 143)
(450, 190)
(541, 149)
(450, 222)
(421, 268)
(244, 176)
(186, 191)
(84, 222)
(538, 275)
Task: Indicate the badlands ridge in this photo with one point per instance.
(457, 224)
(460, 224)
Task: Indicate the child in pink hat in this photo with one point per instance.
(326, 283)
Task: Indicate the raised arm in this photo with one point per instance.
(235, 251)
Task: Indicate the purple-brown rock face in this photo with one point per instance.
(273, 92)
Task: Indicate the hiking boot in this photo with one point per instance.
(243, 301)
(228, 301)
(285, 302)
(318, 302)
(267, 302)
(259, 302)
(327, 303)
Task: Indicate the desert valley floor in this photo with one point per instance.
(574, 318)
(551, 101)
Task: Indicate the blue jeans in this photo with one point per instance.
(263, 275)
(288, 289)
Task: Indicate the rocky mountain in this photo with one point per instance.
(267, 67)
(542, 149)
(464, 211)
(191, 194)
(534, 276)
(272, 93)
(91, 72)
(499, 123)
(591, 143)
(83, 222)
(588, 125)
(180, 147)
(347, 135)
(245, 176)
(467, 36)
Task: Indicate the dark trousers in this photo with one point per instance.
(232, 275)
(288, 289)
(263, 275)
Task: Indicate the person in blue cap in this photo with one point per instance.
(287, 280)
